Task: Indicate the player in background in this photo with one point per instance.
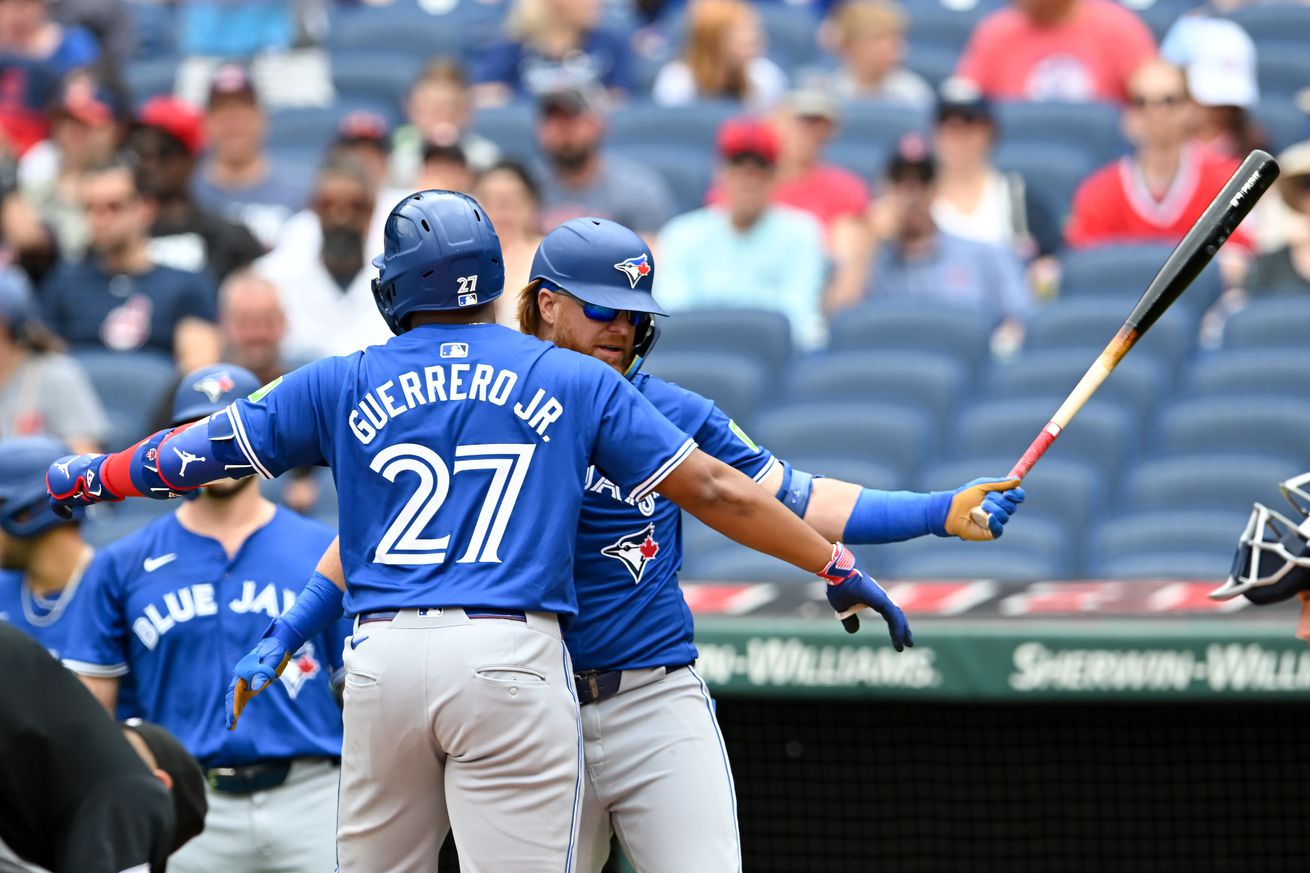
(42, 556)
(459, 449)
(172, 606)
(1272, 562)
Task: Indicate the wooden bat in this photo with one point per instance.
(1232, 204)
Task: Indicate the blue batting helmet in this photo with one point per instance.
(207, 390)
(24, 505)
(440, 252)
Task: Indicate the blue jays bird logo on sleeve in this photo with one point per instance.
(635, 269)
(635, 551)
(215, 385)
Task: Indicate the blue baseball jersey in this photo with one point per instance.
(44, 619)
(459, 453)
(167, 609)
(631, 612)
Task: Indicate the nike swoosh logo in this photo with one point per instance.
(355, 641)
(153, 564)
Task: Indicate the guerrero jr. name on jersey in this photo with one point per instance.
(635, 551)
(197, 601)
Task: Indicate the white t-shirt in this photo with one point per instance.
(675, 86)
(992, 219)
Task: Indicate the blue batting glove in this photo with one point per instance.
(260, 666)
(850, 589)
(998, 498)
(74, 482)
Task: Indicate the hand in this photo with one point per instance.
(75, 481)
(980, 509)
(850, 589)
(258, 667)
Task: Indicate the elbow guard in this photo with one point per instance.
(180, 460)
(796, 488)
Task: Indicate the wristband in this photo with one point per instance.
(796, 488)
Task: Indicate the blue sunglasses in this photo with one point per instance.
(605, 314)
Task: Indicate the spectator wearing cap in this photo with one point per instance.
(974, 199)
(553, 44)
(42, 390)
(747, 251)
(166, 143)
(1287, 268)
(36, 54)
(1069, 50)
(321, 267)
(239, 179)
(510, 196)
(1219, 59)
(366, 137)
(722, 59)
(117, 297)
(579, 178)
(915, 260)
(869, 38)
(438, 110)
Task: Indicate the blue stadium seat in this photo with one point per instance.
(730, 562)
(150, 78)
(369, 75)
(936, 25)
(1052, 171)
(869, 474)
(1091, 322)
(1226, 481)
(1248, 372)
(132, 386)
(1068, 491)
(1137, 382)
(1275, 24)
(1161, 564)
(154, 27)
(878, 126)
(1126, 270)
(1282, 121)
(1103, 433)
(695, 125)
(688, 172)
(790, 33)
(929, 381)
(866, 160)
(1160, 16)
(983, 561)
(1206, 533)
(736, 383)
(1282, 70)
(1094, 124)
(878, 432)
(892, 325)
(512, 127)
(934, 62)
(403, 28)
(758, 333)
(1269, 425)
(1270, 322)
(307, 126)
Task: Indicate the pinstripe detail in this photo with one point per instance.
(723, 749)
(664, 470)
(768, 468)
(243, 442)
(101, 671)
(577, 785)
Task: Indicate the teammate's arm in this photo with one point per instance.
(104, 689)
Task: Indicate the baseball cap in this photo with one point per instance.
(912, 161)
(962, 98)
(364, 127)
(571, 100)
(747, 136)
(813, 103)
(175, 117)
(232, 81)
(86, 101)
(1218, 57)
(189, 803)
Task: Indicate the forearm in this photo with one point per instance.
(852, 514)
(172, 461)
(329, 566)
(104, 689)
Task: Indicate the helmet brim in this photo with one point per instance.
(614, 298)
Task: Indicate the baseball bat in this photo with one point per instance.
(1203, 240)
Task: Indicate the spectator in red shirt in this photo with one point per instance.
(1072, 50)
(1157, 193)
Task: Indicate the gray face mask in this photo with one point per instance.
(342, 253)
(1273, 553)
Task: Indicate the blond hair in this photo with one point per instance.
(528, 20)
(708, 24)
(857, 18)
(529, 309)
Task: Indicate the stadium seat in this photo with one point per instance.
(736, 383)
(1275, 24)
(1104, 433)
(1269, 425)
(298, 126)
(791, 33)
(1282, 121)
(878, 432)
(376, 76)
(759, 333)
(879, 126)
(1091, 322)
(1208, 534)
(402, 28)
(1160, 564)
(934, 62)
(1270, 322)
(982, 561)
(868, 474)
(154, 28)
(513, 128)
(866, 160)
(695, 125)
(937, 25)
(1068, 491)
(1222, 481)
(1159, 17)
(1248, 372)
(891, 324)
(1126, 270)
(688, 172)
(150, 78)
(1282, 70)
(1052, 171)
(1094, 124)
(1137, 382)
(930, 381)
(132, 386)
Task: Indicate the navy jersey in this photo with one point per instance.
(167, 609)
(631, 613)
(459, 452)
(44, 619)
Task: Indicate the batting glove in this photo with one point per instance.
(999, 498)
(260, 666)
(850, 589)
(74, 481)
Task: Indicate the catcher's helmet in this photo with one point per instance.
(207, 390)
(440, 252)
(1273, 554)
(602, 262)
(24, 504)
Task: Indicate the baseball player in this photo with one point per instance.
(173, 606)
(1272, 562)
(42, 556)
(459, 449)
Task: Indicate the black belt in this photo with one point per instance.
(596, 685)
(470, 611)
(251, 778)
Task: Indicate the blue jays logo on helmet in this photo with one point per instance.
(635, 269)
(209, 389)
(214, 386)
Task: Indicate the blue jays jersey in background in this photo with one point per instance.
(44, 619)
(631, 613)
(459, 452)
(168, 608)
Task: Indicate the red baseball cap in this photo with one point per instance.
(177, 118)
(748, 136)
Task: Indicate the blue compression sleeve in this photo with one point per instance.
(894, 516)
(318, 605)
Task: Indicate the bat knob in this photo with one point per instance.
(979, 516)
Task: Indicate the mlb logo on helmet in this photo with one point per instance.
(215, 385)
(468, 300)
(635, 269)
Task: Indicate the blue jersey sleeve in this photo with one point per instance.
(636, 446)
(721, 437)
(97, 639)
(284, 425)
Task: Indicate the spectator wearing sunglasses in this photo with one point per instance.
(1286, 269)
(745, 250)
(321, 267)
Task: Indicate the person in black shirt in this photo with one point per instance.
(77, 795)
